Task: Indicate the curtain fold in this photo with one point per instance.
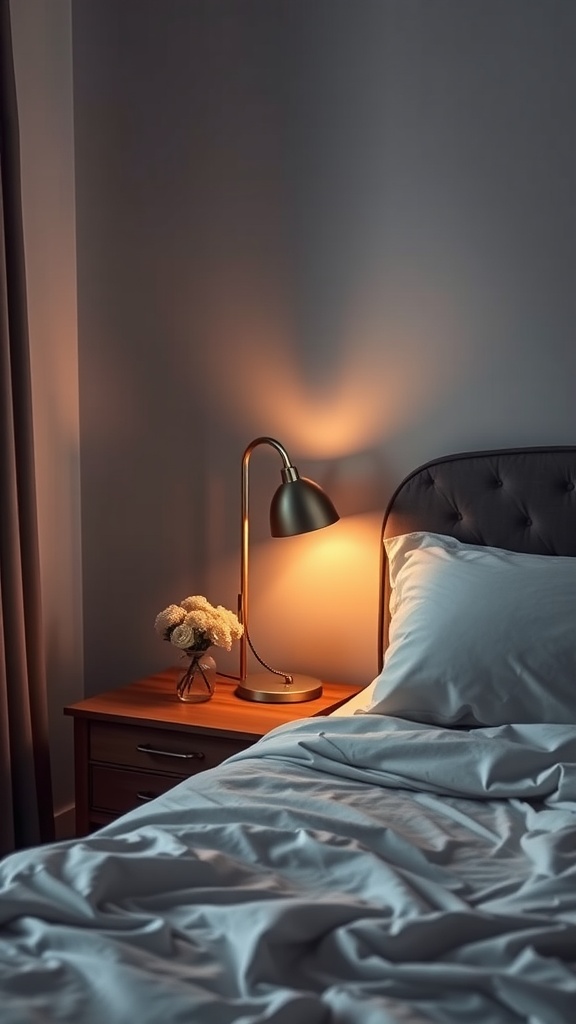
(26, 805)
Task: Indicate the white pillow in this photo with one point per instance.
(478, 635)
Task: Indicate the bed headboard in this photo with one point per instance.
(521, 499)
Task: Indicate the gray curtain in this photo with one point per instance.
(26, 809)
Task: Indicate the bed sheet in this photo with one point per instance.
(359, 869)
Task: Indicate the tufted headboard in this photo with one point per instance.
(521, 499)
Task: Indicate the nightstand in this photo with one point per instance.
(136, 742)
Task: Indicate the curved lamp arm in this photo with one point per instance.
(298, 506)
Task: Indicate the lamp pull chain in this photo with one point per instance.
(288, 679)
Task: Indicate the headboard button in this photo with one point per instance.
(570, 486)
(528, 521)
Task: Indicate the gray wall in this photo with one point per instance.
(346, 223)
(349, 224)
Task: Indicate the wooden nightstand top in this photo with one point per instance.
(153, 701)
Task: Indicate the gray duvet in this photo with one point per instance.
(355, 870)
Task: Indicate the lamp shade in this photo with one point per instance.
(300, 506)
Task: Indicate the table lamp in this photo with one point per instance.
(298, 506)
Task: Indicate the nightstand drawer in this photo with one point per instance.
(116, 791)
(165, 750)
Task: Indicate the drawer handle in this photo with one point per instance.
(145, 748)
(146, 796)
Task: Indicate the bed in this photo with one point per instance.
(410, 858)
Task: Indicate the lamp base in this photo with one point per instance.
(269, 689)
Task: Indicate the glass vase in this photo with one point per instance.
(199, 680)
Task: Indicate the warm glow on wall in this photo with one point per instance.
(314, 600)
(332, 397)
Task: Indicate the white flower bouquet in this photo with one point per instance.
(194, 625)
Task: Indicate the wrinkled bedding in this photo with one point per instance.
(355, 869)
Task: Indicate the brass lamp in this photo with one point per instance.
(298, 506)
